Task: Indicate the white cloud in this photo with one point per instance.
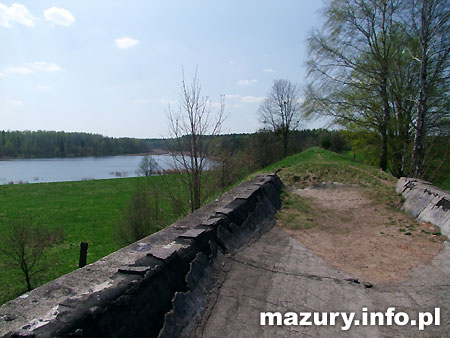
(44, 66)
(167, 101)
(15, 103)
(59, 16)
(2, 75)
(125, 42)
(37, 66)
(268, 70)
(15, 13)
(214, 104)
(252, 99)
(43, 87)
(140, 101)
(233, 96)
(245, 99)
(246, 82)
(18, 70)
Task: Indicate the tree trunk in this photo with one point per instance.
(197, 191)
(419, 142)
(27, 279)
(383, 151)
(285, 146)
(418, 154)
(385, 123)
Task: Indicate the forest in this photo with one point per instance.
(49, 144)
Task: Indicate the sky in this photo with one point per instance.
(114, 67)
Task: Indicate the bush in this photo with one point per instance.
(141, 217)
(24, 245)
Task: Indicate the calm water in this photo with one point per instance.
(73, 169)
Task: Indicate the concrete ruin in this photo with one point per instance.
(426, 202)
(164, 284)
(156, 287)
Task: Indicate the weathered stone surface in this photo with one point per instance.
(193, 233)
(426, 202)
(129, 292)
(166, 251)
(135, 270)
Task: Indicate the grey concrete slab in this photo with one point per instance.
(277, 273)
(426, 202)
(166, 251)
(135, 270)
(193, 233)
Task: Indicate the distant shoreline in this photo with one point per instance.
(153, 152)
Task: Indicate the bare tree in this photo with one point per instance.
(192, 129)
(280, 111)
(24, 247)
(147, 166)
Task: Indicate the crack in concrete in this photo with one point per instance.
(256, 299)
(218, 286)
(396, 287)
(299, 274)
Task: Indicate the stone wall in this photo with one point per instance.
(426, 202)
(155, 287)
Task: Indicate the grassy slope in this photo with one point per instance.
(442, 181)
(319, 165)
(87, 211)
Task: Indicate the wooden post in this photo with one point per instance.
(83, 254)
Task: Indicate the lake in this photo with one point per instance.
(73, 169)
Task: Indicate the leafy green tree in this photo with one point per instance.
(350, 62)
(429, 23)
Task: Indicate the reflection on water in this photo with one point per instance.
(73, 169)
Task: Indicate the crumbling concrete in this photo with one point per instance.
(426, 202)
(277, 273)
(154, 287)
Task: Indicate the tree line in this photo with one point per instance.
(29, 144)
(39, 144)
(381, 70)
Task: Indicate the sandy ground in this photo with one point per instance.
(279, 273)
(349, 252)
(359, 237)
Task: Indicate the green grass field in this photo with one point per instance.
(87, 211)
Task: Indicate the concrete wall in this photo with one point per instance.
(155, 287)
(426, 202)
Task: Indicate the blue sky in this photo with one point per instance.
(113, 67)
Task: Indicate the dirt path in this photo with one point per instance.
(278, 273)
(359, 237)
